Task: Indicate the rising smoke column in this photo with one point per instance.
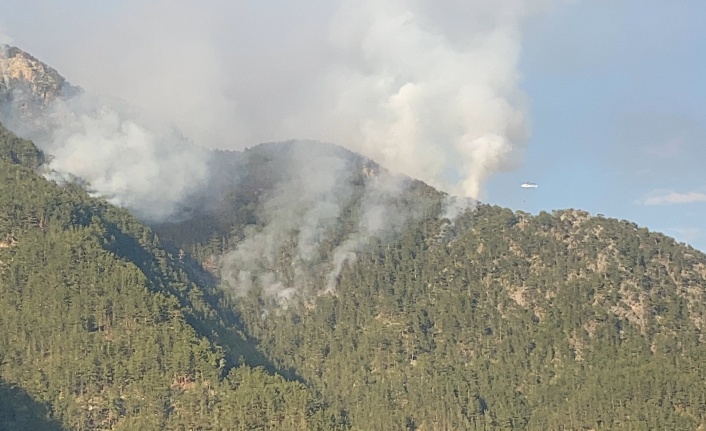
(4, 38)
(131, 160)
(427, 88)
(432, 87)
(146, 167)
(325, 206)
(283, 257)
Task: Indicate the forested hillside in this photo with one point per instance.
(302, 286)
(494, 320)
(247, 187)
(497, 319)
(505, 320)
(101, 328)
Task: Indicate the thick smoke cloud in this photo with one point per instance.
(131, 160)
(283, 257)
(145, 166)
(148, 168)
(327, 205)
(430, 96)
(428, 89)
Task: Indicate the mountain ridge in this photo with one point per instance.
(369, 304)
(509, 328)
(29, 85)
(100, 322)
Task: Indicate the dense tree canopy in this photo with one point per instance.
(507, 321)
(108, 330)
(494, 320)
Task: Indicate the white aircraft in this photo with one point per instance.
(529, 186)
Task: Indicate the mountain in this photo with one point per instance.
(286, 188)
(306, 287)
(507, 321)
(494, 319)
(110, 331)
(29, 86)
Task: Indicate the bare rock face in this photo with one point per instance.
(28, 86)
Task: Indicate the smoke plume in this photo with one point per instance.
(299, 213)
(434, 88)
(428, 89)
(148, 168)
(326, 205)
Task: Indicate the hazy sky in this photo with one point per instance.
(600, 103)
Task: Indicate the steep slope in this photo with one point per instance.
(354, 282)
(507, 321)
(292, 214)
(107, 329)
(243, 184)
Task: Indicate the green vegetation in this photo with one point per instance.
(107, 329)
(19, 412)
(247, 182)
(507, 321)
(500, 320)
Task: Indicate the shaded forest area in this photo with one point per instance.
(507, 321)
(107, 329)
(494, 320)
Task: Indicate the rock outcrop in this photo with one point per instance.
(28, 86)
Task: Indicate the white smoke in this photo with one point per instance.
(430, 96)
(282, 257)
(306, 238)
(132, 160)
(5, 39)
(147, 168)
(381, 217)
(453, 206)
(428, 89)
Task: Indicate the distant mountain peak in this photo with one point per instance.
(29, 85)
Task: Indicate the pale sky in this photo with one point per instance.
(617, 95)
(614, 92)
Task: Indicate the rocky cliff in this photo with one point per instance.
(28, 86)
